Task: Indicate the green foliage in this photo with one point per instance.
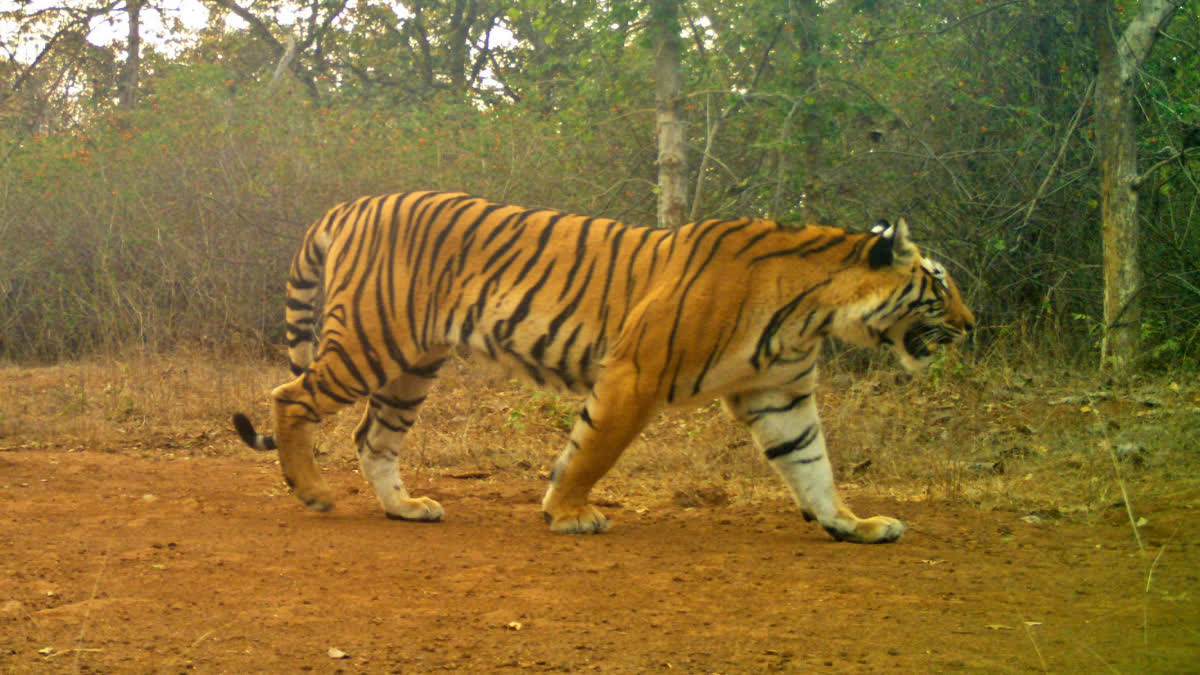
(174, 222)
(541, 407)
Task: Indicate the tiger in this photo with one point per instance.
(635, 318)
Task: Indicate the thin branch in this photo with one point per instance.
(1140, 180)
(1171, 38)
(87, 612)
(1062, 150)
(1112, 453)
(285, 61)
(713, 129)
(940, 31)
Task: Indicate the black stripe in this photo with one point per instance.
(499, 227)
(330, 393)
(755, 413)
(563, 368)
(752, 241)
(503, 330)
(580, 251)
(543, 239)
(402, 427)
(726, 229)
(504, 248)
(800, 442)
(419, 217)
(302, 284)
(311, 415)
(427, 371)
(807, 371)
(718, 350)
(398, 403)
(613, 256)
(586, 417)
(545, 340)
(778, 319)
(811, 247)
(630, 282)
(856, 251)
(335, 347)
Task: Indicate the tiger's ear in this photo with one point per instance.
(894, 247)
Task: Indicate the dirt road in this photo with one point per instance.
(113, 563)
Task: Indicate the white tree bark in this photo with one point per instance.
(672, 146)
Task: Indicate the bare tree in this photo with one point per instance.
(1120, 54)
(320, 19)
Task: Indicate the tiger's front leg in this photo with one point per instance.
(611, 418)
(787, 429)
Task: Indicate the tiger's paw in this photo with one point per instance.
(876, 530)
(318, 498)
(586, 519)
(421, 509)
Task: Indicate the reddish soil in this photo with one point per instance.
(119, 562)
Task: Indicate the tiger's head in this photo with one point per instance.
(919, 308)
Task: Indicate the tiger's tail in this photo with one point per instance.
(303, 294)
(250, 436)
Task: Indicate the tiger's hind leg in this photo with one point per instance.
(391, 413)
(787, 429)
(298, 407)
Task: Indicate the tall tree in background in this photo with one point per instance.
(127, 86)
(1120, 54)
(62, 74)
(672, 147)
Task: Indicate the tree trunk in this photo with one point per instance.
(458, 43)
(1116, 147)
(128, 85)
(672, 150)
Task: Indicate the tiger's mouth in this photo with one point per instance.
(922, 339)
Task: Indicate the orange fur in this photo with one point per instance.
(636, 317)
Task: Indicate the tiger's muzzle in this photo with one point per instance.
(923, 338)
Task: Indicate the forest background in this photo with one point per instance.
(160, 159)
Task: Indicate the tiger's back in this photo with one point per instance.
(636, 317)
(519, 285)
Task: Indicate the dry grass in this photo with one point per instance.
(1032, 441)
